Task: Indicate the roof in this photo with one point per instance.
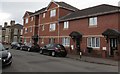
(92, 11)
(63, 4)
(3, 28)
(40, 11)
(27, 12)
(75, 34)
(30, 13)
(16, 26)
(111, 32)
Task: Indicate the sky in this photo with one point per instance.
(15, 9)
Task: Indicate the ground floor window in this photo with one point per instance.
(52, 40)
(15, 38)
(93, 42)
(25, 40)
(42, 40)
(66, 41)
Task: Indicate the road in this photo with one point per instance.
(24, 61)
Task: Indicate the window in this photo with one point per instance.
(66, 41)
(30, 29)
(93, 21)
(31, 18)
(52, 27)
(43, 15)
(66, 25)
(42, 41)
(93, 42)
(15, 39)
(26, 30)
(53, 13)
(43, 27)
(26, 20)
(51, 40)
(15, 31)
(25, 40)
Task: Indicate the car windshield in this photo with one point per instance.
(1, 47)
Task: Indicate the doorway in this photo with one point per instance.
(113, 45)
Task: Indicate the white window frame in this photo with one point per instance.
(52, 27)
(31, 29)
(44, 14)
(42, 41)
(26, 30)
(91, 44)
(53, 13)
(43, 27)
(26, 20)
(66, 25)
(32, 18)
(66, 41)
(93, 21)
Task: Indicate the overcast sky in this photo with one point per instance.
(15, 9)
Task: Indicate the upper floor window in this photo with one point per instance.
(93, 21)
(21, 32)
(53, 13)
(66, 25)
(26, 30)
(30, 29)
(26, 20)
(15, 31)
(52, 27)
(43, 27)
(93, 42)
(43, 15)
(31, 18)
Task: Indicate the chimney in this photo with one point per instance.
(12, 22)
(5, 24)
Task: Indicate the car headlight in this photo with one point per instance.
(9, 54)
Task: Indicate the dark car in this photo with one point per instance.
(5, 56)
(34, 48)
(54, 50)
(26, 46)
(13, 45)
(16, 45)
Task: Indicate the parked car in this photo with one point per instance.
(26, 46)
(13, 44)
(54, 50)
(6, 57)
(34, 48)
(16, 45)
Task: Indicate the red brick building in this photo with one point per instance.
(96, 27)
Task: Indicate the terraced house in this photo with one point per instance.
(93, 31)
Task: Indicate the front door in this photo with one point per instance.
(113, 45)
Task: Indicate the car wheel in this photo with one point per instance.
(28, 49)
(41, 52)
(53, 53)
(21, 48)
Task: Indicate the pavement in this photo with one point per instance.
(94, 60)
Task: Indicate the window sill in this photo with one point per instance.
(65, 29)
(92, 26)
(52, 31)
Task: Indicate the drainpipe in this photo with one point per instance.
(58, 25)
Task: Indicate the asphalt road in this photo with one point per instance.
(24, 61)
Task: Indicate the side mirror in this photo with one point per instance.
(7, 49)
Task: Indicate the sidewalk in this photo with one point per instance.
(94, 60)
